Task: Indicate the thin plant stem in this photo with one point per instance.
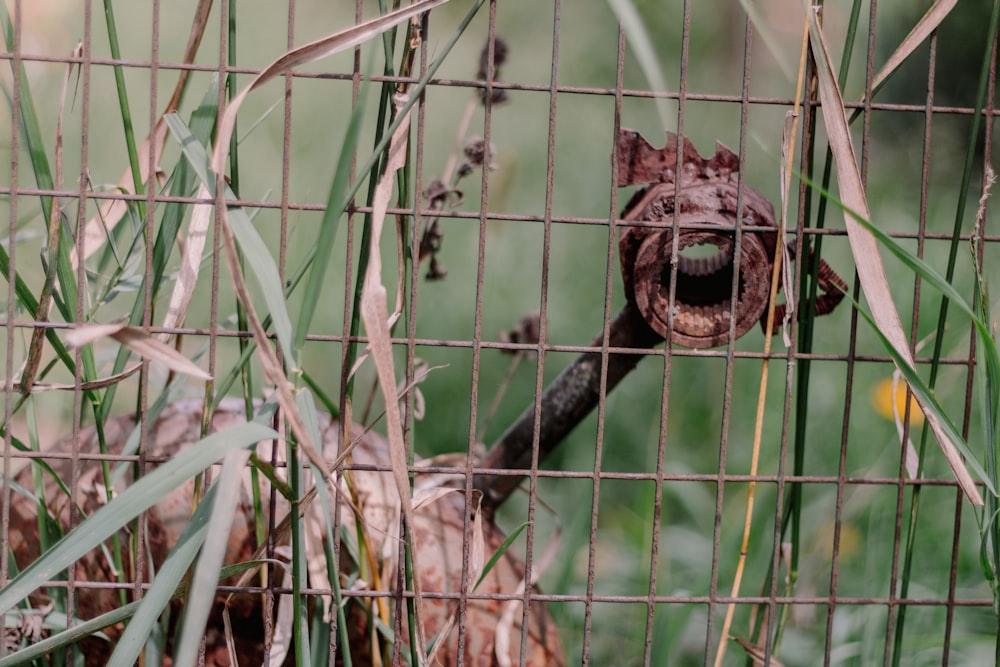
(126, 112)
(765, 365)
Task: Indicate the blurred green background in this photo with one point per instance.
(697, 428)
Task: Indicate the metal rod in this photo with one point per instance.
(564, 404)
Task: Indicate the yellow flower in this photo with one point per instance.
(883, 398)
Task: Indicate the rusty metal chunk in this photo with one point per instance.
(699, 198)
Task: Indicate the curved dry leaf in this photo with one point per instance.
(139, 342)
(39, 387)
(88, 333)
(421, 370)
(477, 560)
(424, 497)
(864, 246)
(311, 52)
(375, 315)
(756, 653)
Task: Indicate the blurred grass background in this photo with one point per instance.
(584, 123)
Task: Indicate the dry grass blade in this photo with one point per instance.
(187, 275)
(93, 385)
(45, 298)
(789, 133)
(864, 246)
(912, 459)
(788, 137)
(311, 52)
(95, 232)
(375, 315)
(930, 21)
(270, 364)
(139, 342)
(756, 654)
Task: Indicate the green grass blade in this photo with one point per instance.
(164, 586)
(123, 105)
(91, 627)
(649, 60)
(30, 126)
(963, 190)
(926, 395)
(206, 574)
(129, 504)
(498, 554)
(926, 272)
(935, 279)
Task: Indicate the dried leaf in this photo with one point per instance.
(787, 279)
(139, 342)
(757, 653)
(281, 638)
(375, 315)
(421, 369)
(477, 560)
(101, 383)
(88, 333)
(425, 497)
(187, 276)
(311, 52)
(871, 271)
(930, 21)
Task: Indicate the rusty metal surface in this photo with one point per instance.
(689, 189)
(438, 536)
(695, 195)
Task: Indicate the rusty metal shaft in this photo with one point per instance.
(565, 403)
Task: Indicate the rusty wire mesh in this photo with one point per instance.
(643, 504)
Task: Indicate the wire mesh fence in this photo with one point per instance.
(373, 333)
